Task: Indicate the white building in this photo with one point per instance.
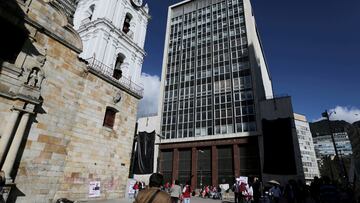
(325, 147)
(113, 34)
(307, 150)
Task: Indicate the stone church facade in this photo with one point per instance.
(63, 122)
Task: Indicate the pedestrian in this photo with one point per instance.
(236, 190)
(187, 192)
(315, 189)
(290, 191)
(249, 193)
(167, 187)
(175, 192)
(153, 194)
(275, 193)
(136, 188)
(2, 185)
(328, 191)
(220, 192)
(256, 189)
(142, 183)
(301, 193)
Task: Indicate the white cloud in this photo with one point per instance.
(345, 113)
(348, 114)
(149, 104)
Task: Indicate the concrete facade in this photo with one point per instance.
(216, 90)
(52, 107)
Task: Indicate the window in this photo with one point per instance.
(91, 11)
(117, 70)
(13, 35)
(109, 118)
(126, 26)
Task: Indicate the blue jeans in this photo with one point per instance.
(186, 200)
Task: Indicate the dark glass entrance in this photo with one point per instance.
(203, 167)
(225, 165)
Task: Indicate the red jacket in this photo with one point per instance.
(187, 193)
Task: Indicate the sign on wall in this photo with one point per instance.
(94, 189)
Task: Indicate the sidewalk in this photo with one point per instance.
(193, 200)
(108, 201)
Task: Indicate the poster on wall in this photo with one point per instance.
(131, 190)
(94, 189)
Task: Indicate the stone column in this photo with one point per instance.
(214, 165)
(9, 128)
(175, 171)
(194, 157)
(14, 148)
(236, 157)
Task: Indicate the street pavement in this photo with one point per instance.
(193, 200)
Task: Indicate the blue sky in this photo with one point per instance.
(312, 49)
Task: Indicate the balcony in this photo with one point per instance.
(106, 73)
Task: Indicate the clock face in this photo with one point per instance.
(137, 3)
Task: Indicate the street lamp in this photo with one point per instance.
(327, 115)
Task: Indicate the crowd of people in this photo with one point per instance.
(138, 186)
(321, 190)
(212, 192)
(177, 192)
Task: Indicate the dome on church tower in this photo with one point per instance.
(67, 6)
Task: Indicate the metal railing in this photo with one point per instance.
(106, 71)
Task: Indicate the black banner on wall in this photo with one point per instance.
(279, 156)
(144, 154)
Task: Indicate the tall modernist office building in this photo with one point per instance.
(308, 156)
(214, 78)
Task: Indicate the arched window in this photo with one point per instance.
(109, 119)
(126, 26)
(117, 70)
(90, 12)
(16, 36)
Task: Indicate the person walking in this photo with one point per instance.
(249, 194)
(256, 189)
(175, 192)
(275, 194)
(236, 190)
(153, 194)
(315, 189)
(328, 191)
(187, 193)
(290, 191)
(136, 188)
(2, 185)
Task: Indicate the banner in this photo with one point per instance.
(144, 154)
(94, 189)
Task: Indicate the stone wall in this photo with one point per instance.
(65, 145)
(68, 147)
